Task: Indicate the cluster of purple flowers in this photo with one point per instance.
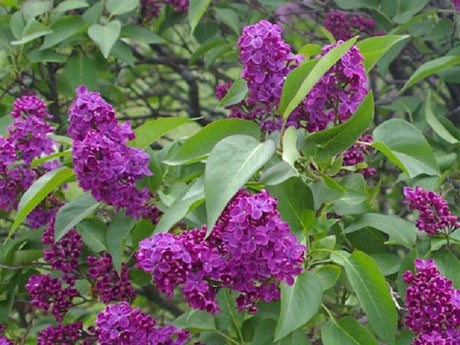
(48, 294)
(72, 333)
(27, 139)
(267, 60)
(344, 26)
(433, 305)
(434, 214)
(250, 250)
(151, 8)
(356, 155)
(103, 162)
(106, 282)
(337, 95)
(456, 4)
(64, 254)
(121, 324)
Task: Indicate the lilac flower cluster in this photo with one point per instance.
(337, 95)
(267, 60)
(5, 341)
(151, 8)
(287, 12)
(64, 254)
(121, 324)
(27, 139)
(434, 214)
(103, 162)
(249, 250)
(433, 305)
(66, 334)
(107, 284)
(356, 155)
(47, 294)
(456, 4)
(344, 26)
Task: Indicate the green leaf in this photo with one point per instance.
(372, 291)
(400, 231)
(46, 56)
(73, 213)
(352, 4)
(93, 232)
(337, 139)
(404, 145)
(38, 191)
(295, 338)
(152, 130)
(306, 76)
(17, 24)
(123, 52)
(295, 204)
(373, 48)
(197, 320)
(229, 17)
(290, 152)
(328, 275)
(181, 206)
(435, 124)
(429, 68)
(346, 331)
(81, 71)
(199, 145)
(32, 31)
(116, 7)
(140, 34)
(278, 173)
(105, 36)
(33, 8)
(64, 28)
(69, 5)
(230, 165)
(299, 303)
(116, 235)
(196, 10)
(236, 94)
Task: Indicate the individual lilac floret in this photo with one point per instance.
(357, 153)
(47, 294)
(29, 131)
(72, 333)
(433, 311)
(64, 254)
(108, 285)
(344, 26)
(434, 214)
(250, 250)
(121, 324)
(337, 95)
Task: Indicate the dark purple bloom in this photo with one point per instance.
(344, 26)
(250, 250)
(108, 285)
(434, 214)
(72, 333)
(121, 324)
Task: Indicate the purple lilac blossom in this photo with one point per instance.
(434, 214)
(103, 162)
(433, 312)
(344, 26)
(5, 341)
(121, 324)
(151, 8)
(65, 335)
(47, 294)
(456, 4)
(108, 285)
(356, 155)
(337, 95)
(250, 250)
(27, 139)
(64, 254)
(287, 12)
